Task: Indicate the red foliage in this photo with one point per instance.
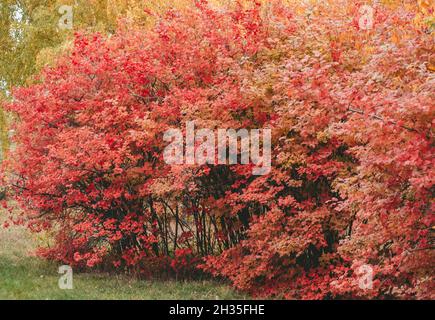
(184, 264)
(352, 179)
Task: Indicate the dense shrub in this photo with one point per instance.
(352, 180)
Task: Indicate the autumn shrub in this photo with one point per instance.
(88, 164)
(351, 183)
(354, 164)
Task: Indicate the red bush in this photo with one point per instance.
(352, 179)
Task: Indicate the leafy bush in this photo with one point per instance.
(352, 180)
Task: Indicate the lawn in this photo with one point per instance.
(23, 276)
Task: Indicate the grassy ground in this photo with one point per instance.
(23, 276)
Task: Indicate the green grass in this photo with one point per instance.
(23, 276)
